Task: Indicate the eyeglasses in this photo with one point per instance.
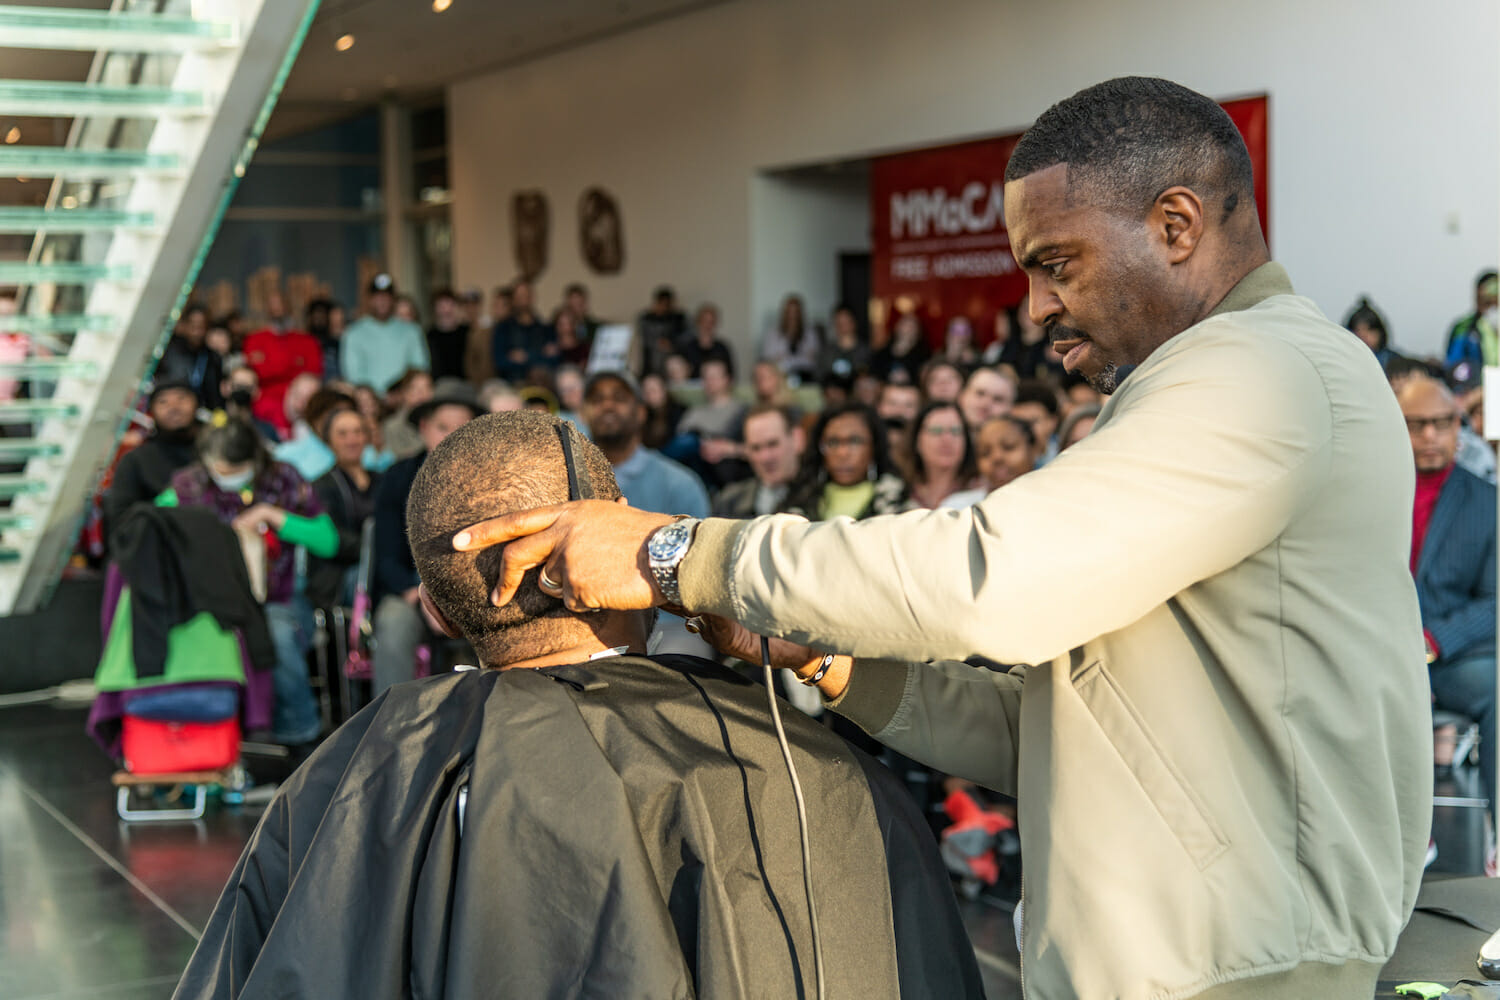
(834, 444)
(932, 430)
(1416, 425)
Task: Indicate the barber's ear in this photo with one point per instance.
(435, 617)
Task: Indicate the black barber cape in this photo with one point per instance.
(628, 831)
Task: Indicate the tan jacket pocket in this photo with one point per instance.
(1179, 808)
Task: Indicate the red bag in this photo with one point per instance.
(153, 747)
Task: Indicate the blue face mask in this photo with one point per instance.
(233, 483)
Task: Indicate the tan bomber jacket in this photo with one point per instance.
(1221, 745)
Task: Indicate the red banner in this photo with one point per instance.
(940, 248)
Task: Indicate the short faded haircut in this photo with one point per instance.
(496, 464)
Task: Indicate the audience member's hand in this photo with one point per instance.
(715, 450)
(593, 549)
(260, 515)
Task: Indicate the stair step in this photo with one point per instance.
(14, 486)
(9, 556)
(16, 522)
(58, 323)
(20, 449)
(48, 369)
(71, 220)
(70, 161)
(56, 99)
(23, 411)
(68, 273)
(90, 30)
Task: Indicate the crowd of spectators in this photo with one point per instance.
(828, 420)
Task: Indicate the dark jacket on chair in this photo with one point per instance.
(178, 562)
(1456, 570)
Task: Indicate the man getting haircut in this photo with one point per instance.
(601, 824)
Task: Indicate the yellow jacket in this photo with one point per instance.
(1221, 747)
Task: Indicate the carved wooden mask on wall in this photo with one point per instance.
(601, 233)
(530, 221)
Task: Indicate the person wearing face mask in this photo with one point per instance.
(1475, 339)
(257, 496)
(241, 388)
(145, 471)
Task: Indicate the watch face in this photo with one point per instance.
(665, 543)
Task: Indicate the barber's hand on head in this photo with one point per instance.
(596, 551)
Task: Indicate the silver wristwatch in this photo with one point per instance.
(664, 551)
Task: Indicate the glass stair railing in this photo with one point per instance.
(57, 323)
(63, 161)
(45, 98)
(14, 486)
(26, 219)
(27, 411)
(171, 110)
(64, 273)
(93, 30)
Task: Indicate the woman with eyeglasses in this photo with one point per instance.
(943, 470)
(849, 473)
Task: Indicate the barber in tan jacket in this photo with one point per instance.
(1221, 744)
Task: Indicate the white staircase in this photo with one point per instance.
(170, 114)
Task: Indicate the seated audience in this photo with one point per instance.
(372, 408)
(1475, 339)
(399, 627)
(574, 818)
(958, 344)
(241, 388)
(497, 396)
(1036, 403)
(1004, 347)
(1076, 425)
(569, 384)
(849, 473)
(237, 478)
(1034, 357)
(145, 470)
(325, 322)
(576, 301)
(1369, 326)
(659, 331)
(522, 342)
(188, 358)
(411, 390)
(280, 353)
(663, 411)
(705, 344)
(768, 382)
(614, 408)
(792, 345)
(845, 354)
(902, 359)
(1006, 448)
(942, 470)
(448, 336)
(774, 443)
(305, 451)
(897, 409)
(347, 493)
(941, 381)
(572, 348)
(1453, 561)
(710, 434)
(986, 394)
(379, 347)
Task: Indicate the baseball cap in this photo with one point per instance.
(382, 282)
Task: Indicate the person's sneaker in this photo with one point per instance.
(1432, 856)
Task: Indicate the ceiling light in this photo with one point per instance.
(345, 43)
(438, 6)
(14, 135)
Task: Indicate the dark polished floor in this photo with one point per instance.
(94, 908)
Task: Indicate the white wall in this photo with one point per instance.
(1384, 131)
(798, 226)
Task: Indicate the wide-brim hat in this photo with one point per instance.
(447, 392)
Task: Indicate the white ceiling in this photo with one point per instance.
(403, 48)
